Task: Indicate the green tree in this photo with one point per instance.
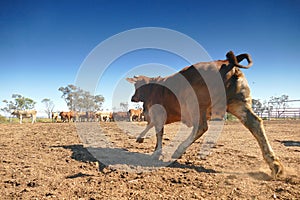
(18, 102)
(258, 107)
(69, 95)
(80, 100)
(124, 106)
(279, 104)
(98, 99)
(49, 106)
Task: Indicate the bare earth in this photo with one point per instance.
(49, 161)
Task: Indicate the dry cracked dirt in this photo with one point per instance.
(51, 161)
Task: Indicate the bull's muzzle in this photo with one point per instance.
(134, 99)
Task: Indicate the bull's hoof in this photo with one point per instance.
(140, 140)
(277, 169)
(177, 154)
(156, 154)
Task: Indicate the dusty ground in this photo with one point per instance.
(49, 161)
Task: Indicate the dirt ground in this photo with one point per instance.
(49, 161)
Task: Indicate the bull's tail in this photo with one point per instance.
(235, 60)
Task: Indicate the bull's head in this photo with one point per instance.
(140, 84)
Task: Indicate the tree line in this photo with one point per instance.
(82, 101)
(75, 98)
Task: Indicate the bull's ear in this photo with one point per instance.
(132, 80)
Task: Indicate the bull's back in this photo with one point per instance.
(190, 96)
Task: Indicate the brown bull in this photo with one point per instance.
(193, 97)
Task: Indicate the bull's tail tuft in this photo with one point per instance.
(235, 60)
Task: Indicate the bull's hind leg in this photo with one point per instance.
(244, 113)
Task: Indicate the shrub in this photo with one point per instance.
(43, 120)
(230, 117)
(3, 119)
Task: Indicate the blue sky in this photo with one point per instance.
(43, 43)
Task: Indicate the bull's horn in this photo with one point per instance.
(132, 80)
(235, 60)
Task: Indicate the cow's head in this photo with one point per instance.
(140, 83)
(15, 112)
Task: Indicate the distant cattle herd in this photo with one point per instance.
(89, 116)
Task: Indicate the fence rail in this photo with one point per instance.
(290, 111)
(285, 113)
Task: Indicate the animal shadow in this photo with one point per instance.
(78, 175)
(81, 154)
(260, 176)
(289, 143)
(111, 157)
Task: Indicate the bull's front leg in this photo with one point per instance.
(159, 134)
(21, 117)
(140, 138)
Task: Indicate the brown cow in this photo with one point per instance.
(170, 99)
(137, 114)
(63, 116)
(71, 115)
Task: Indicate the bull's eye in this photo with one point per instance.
(140, 98)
